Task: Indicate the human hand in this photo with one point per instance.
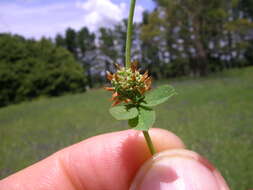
(111, 161)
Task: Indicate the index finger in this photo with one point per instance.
(107, 161)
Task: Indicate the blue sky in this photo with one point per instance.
(36, 18)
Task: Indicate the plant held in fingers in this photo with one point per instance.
(133, 89)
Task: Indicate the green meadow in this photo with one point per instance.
(213, 115)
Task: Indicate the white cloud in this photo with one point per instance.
(105, 13)
(36, 20)
(101, 13)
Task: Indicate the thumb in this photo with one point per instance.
(178, 170)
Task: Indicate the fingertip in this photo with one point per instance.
(178, 169)
(164, 140)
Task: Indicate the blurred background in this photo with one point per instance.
(54, 56)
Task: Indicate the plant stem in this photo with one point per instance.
(149, 142)
(129, 34)
(128, 63)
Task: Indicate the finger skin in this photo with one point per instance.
(214, 182)
(107, 162)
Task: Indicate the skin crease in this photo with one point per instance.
(93, 164)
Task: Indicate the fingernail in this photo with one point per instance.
(173, 171)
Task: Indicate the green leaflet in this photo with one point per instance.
(144, 121)
(159, 95)
(123, 112)
(142, 117)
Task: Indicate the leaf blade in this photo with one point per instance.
(123, 113)
(144, 121)
(159, 95)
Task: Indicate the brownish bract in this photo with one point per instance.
(128, 83)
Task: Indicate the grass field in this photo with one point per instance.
(214, 116)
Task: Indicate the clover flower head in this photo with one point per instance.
(128, 84)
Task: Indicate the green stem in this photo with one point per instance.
(128, 63)
(129, 34)
(149, 142)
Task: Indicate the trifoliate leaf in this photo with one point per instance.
(123, 112)
(144, 121)
(159, 95)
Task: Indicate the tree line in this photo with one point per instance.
(30, 68)
(178, 38)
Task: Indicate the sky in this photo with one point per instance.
(37, 18)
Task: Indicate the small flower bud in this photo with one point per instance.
(128, 84)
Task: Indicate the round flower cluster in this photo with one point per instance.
(128, 85)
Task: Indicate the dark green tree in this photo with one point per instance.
(60, 40)
(120, 38)
(109, 53)
(247, 7)
(71, 41)
(206, 29)
(151, 43)
(29, 69)
(87, 55)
